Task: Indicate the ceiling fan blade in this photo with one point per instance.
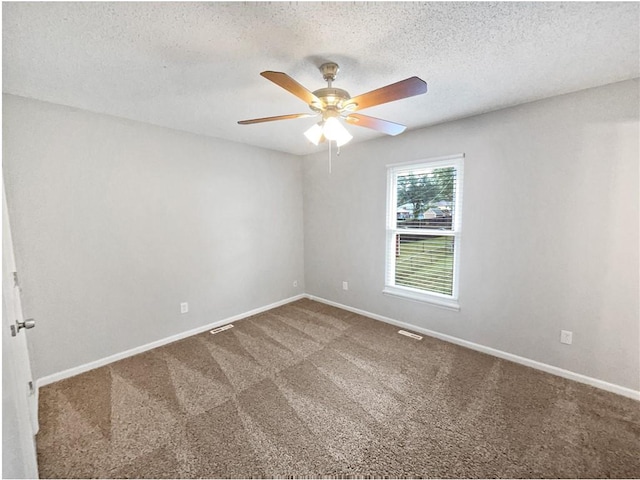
(378, 124)
(285, 81)
(279, 117)
(396, 91)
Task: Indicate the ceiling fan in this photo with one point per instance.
(335, 103)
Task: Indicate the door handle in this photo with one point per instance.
(28, 323)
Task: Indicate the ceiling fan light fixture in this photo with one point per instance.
(344, 139)
(314, 134)
(334, 130)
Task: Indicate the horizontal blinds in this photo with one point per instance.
(425, 263)
(426, 198)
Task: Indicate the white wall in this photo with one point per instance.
(550, 230)
(116, 222)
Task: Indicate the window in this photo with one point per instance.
(423, 230)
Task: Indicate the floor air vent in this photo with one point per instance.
(221, 329)
(409, 334)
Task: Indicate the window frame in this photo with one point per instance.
(390, 288)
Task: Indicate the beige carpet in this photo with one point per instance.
(308, 390)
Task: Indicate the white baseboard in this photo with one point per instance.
(55, 377)
(594, 382)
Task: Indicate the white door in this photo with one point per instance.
(19, 399)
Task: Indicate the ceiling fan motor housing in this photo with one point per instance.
(330, 97)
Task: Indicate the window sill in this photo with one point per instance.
(447, 303)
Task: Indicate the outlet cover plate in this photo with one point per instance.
(184, 307)
(566, 337)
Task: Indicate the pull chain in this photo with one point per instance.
(337, 153)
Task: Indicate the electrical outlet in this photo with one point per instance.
(184, 307)
(566, 337)
(345, 285)
(295, 283)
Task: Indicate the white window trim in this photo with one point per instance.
(441, 300)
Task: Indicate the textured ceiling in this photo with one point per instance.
(195, 66)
